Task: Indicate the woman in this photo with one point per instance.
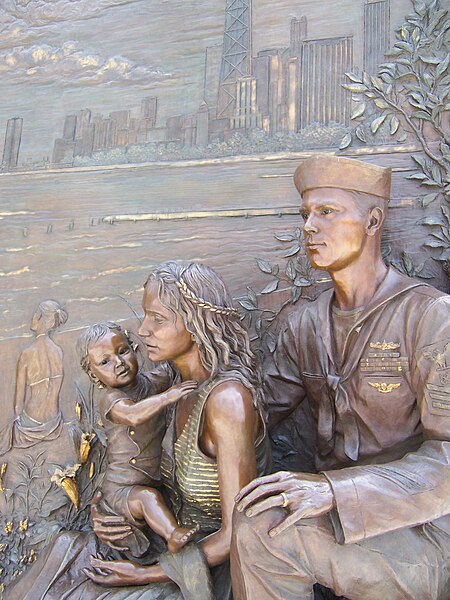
(216, 440)
(38, 383)
(215, 443)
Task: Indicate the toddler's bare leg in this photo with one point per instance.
(148, 504)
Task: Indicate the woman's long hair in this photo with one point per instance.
(197, 293)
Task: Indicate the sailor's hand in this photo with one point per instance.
(303, 495)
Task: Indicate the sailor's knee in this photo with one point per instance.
(243, 526)
(246, 529)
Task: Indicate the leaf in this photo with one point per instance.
(360, 133)
(437, 16)
(292, 250)
(302, 282)
(416, 34)
(394, 52)
(431, 183)
(346, 141)
(264, 265)
(443, 66)
(376, 123)
(258, 325)
(270, 287)
(275, 269)
(404, 33)
(419, 176)
(446, 213)
(432, 244)
(285, 237)
(418, 97)
(377, 83)
(420, 160)
(388, 67)
(431, 220)
(271, 342)
(404, 46)
(379, 103)
(406, 259)
(247, 305)
(428, 199)
(359, 110)
(252, 296)
(296, 294)
(356, 88)
(353, 77)
(436, 173)
(290, 270)
(421, 114)
(402, 138)
(394, 125)
(419, 7)
(430, 60)
(403, 75)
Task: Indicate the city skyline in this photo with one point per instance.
(177, 80)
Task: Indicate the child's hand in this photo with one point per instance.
(176, 392)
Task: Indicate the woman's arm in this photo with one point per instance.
(127, 412)
(231, 425)
(21, 384)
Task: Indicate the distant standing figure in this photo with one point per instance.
(38, 383)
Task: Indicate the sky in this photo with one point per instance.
(59, 56)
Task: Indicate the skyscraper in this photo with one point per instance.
(237, 51)
(12, 143)
(323, 65)
(247, 115)
(376, 34)
(213, 58)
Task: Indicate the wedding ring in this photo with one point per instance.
(285, 499)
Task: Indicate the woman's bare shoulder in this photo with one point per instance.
(229, 400)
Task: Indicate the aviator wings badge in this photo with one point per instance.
(384, 388)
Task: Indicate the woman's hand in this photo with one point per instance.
(304, 495)
(108, 528)
(117, 572)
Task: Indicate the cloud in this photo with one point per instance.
(37, 13)
(71, 65)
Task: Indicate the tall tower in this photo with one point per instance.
(298, 35)
(12, 143)
(376, 34)
(237, 51)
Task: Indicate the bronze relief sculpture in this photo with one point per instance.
(38, 383)
(374, 521)
(132, 409)
(215, 442)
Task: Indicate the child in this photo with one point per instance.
(134, 421)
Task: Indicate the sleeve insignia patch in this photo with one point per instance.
(441, 359)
